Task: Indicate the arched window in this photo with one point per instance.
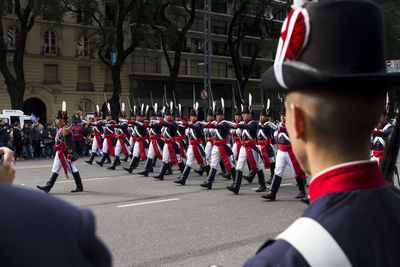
(83, 46)
(11, 38)
(50, 43)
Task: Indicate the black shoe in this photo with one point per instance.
(227, 175)
(133, 162)
(261, 189)
(200, 171)
(116, 161)
(102, 160)
(163, 169)
(78, 182)
(182, 179)
(90, 161)
(301, 184)
(127, 169)
(306, 200)
(249, 178)
(269, 181)
(111, 167)
(235, 186)
(210, 179)
(301, 195)
(50, 183)
(276, 183)
(148, 167)
(144, 173)
(125, 159)
(181, 166)
(169, 169)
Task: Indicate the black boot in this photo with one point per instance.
(181, 166)
(276, 183)
(132, 164)
(210, 179)
(207, 169)
(90, 161)
(235, 186)
(182, 179)
(49, 184)
(114, 164)
(163, 169)
(223, 170)
(125, 159)
(250, 177)
(148, 166)
(117, 161)
(200, 171)
(154, 163)
(103, 158)
(108, 159)
(261, 181)
(301, 184)
(78, 182)
(169, 169)
(272, 169)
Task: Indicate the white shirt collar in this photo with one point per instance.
(339, 166)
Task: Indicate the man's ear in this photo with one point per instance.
(298, 120)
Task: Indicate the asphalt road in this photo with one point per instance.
(147, 222)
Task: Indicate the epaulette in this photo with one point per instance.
(66, 131)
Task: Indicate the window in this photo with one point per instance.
(11, 38)
(108, 83)
(147, 64)
(50, 43)
(219, 27)
(219, 6)
(110, 14)
(220, 49)
(198, 24)
(84, 74)
(50, 73)
(219, 69)
(197, 46)
(197, 68)
(9, 6)
(248, 49)
(85, 105)
(183, 67)
(83, 47)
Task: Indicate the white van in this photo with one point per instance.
(12, 116)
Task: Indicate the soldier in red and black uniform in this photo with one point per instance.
(380, 136)
(65, 155)
(97, 132)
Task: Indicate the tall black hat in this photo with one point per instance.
(62, 114)
(169, 110)
(248, 108)
(108, 112)
(331, 44)
(178, 111)
(265, 109)
(238, 111)
(221, 110)
(75, 119)
(195, 110)
(122, 112)
(97, 113)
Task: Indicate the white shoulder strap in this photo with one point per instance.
(314, 243)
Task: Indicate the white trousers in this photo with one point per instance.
(208, 150)
(242, 159)
(57, 166)
(271, 159)
(216, 158)
(105, 146)
(166, 156)
(118, 149)
(283, 159)
(151, 154)
(136, 150)
(95, 145)
(234, 150)
(190, 158)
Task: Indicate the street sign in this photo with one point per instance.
(204, 94)
(393, 65)
(113, 55)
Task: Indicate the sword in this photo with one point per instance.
(151, 98)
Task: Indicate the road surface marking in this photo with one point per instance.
(90, 179)
(148, 202)
(33, 167)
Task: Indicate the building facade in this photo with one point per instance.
(60, 64)
(148, 70)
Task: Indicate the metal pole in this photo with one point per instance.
(206, 57)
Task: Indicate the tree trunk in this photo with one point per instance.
(116, 77)
(16, 91)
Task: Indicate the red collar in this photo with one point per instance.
(249, 120)
(382, 125)
(355, 176)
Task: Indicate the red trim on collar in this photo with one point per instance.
(247, 122)
(352, 177)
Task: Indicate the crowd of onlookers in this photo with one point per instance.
(35, 140)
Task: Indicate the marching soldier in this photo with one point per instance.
(122, 145)
(181, 138)
(156, 143)
(141, 139)
(220, 149)
(284, 157)
(195, 150)
(97, 132)
(249, 152)
(109, 137)
(380, 136)
(209, 139)
(236, 133)
(65, 156)
(331, 65)
(171, 151)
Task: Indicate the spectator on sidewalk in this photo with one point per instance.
(36, 138)
(4, 133)
(18, 141)
(77, 134)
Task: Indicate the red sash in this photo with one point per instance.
(220, 144)
(378, 154)
(141, 147)
(211, 140)
(180, 140)
(297, 169)
(285, 148)
(170, 143)
(263, 145)
(196, 151)
(121, 138)
(238, 144)
(248, 144)
(154, 139)
(97, 136)
(109, 143)
(60, 152)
